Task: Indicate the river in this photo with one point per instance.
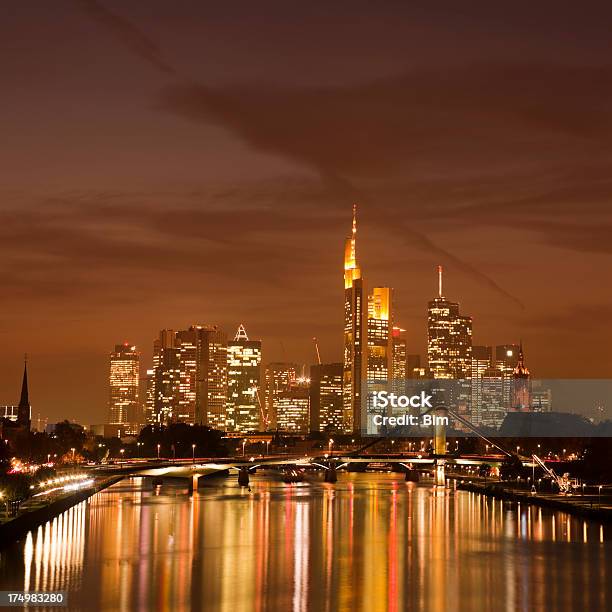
(369, 542)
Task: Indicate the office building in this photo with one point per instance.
(279, 375)
(326, 414)
(166, 378)
(506, 359)
(293, 407)
(355, 334)
(124, 407)
(399, 353)
(449, 338)
(203, 375)
(379, 335)
(482, 361)
(244, 401)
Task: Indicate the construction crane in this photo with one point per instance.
(316, 344)
(265, 417)
(564, 482)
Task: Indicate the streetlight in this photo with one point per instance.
(48, 457)
(518, 448)
(73, 450)
(243, 445)
(599, 495)
(158, 447)
(330, 445)
(122, 451)
(193, 453)
(268, 446)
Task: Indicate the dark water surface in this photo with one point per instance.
(370, 542)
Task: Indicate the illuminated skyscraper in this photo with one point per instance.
(166, 378)
(449, 347)
(279, 375)
(491, 411)
(449, 350)
(399, 353)
(293, 407)
(203, 375)
(244, 382)
(355, 334)
(326, 397)
(506, 359)
(380, 342)
(482, 361)
(149, 397)
(124, 407)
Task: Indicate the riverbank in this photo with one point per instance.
(31, 518)
(585, 506)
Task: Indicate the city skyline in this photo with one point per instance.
(379, 307)
(199, 377)
(170, 163)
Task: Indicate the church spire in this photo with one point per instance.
(24, 400)
(23, 410)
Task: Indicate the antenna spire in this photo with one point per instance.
(354, 219)
(439, 281)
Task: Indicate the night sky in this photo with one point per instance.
(166, 163)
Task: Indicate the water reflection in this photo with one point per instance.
(370, 542)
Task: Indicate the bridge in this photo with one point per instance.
(193, 471)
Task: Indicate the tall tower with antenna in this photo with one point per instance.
(355, 334)
(449, 338)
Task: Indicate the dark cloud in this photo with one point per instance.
(467, 116)
(128, 34)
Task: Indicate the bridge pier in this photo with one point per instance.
(440, 473)
(441, 416)
(412, 475)
(243, 477)
(331, 474)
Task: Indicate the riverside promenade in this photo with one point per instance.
(594, 506)
(34, 513)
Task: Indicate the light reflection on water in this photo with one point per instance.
(370, 542)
